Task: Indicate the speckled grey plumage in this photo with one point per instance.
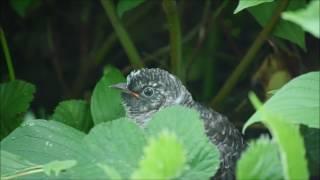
(168, 90)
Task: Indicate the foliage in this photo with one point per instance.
(58, 166)
(312, 144)
(280, 116)
(117, 144)
(23, 167)
(260, 161)
(308, 18)
(164, 158)
(125, 5)
(113, 149)
(90, 138)
(202, 156)
(74, 113)
(106, 102)
(21, 7)
(297, 102)
(15, 99)
(243, 4)
(287, 30)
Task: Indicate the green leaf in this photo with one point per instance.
(308, 18)
(41, 142)
(202, 155)
(75, 113)
(311, 138)
(58, 166)
(126, 5)
(296, 102)
(164, 158)
(15, 99)
(110, 172)
(116, 144)
(260, 161)
(243, 4)
(13, 166)
(21, 6)
(292, 152)
(43, 135)
(106, 102)
(284, 29)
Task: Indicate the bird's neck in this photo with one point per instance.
(184, 98)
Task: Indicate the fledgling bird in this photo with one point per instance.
(148, 90)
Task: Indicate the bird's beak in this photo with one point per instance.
(123, 87)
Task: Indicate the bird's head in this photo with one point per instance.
(148, 90)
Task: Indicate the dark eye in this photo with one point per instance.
(148, 91)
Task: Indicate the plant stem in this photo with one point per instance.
(165, 49)
(97, 55)
(251, 53)
(123, 35)
(206, 29)
(7, 55)
(54, 58)
(171, 11)
(28, 171)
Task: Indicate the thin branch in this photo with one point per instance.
(165, 49)
(7, 55)
(122, 34)
(171, 11)
(97, 55)
(251, 53)
(85, 63)
(189, 36)
(201, 35)
(227, 34)
(214, 15)
(54, 54)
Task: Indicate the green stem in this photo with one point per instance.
(251, 53)
(164, 50)
(7, 55)
(122, 34)
(106, 46)
(25, 172)
(99, 54)
(171, 11)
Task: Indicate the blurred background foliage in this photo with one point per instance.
(63, 46)
(220, 49)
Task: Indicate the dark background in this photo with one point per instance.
(63, 46)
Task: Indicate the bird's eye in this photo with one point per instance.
(148, 91)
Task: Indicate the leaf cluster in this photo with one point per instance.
(173, 145)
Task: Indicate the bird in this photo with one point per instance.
(148, 90)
